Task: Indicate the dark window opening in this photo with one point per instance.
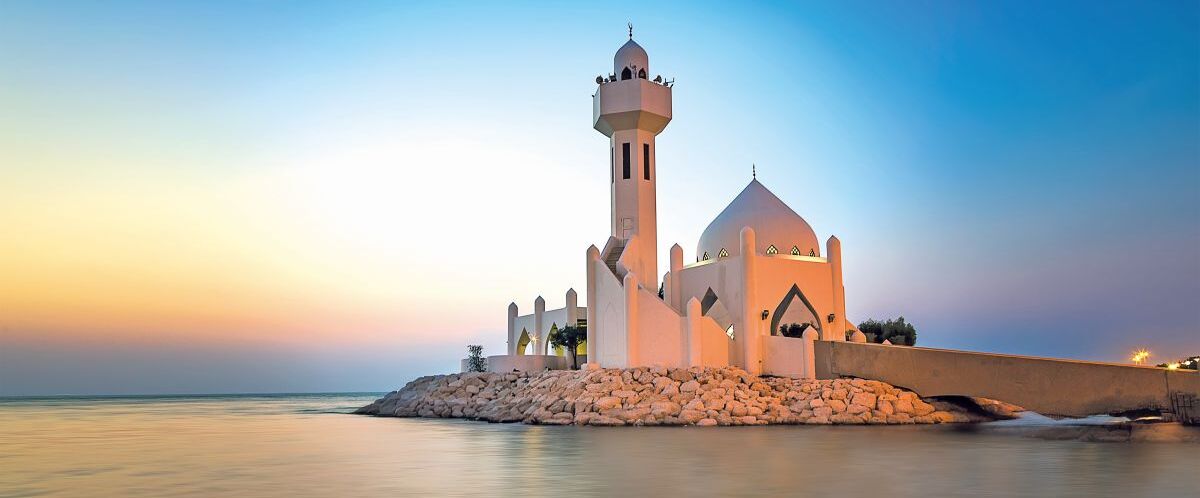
(642, 73)
(612, 166)
(626, 74)
(625, 160)
(646, 161)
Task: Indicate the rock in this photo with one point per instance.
(707, 422)
(864, 399)
(746, 420)
(664, 408)
(692, 416)
(921, 408)
(689, 386)
(816, 403)
(903, 406)
(606, 421)
(837, 405)
(607, 402)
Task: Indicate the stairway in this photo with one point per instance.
(614, 255)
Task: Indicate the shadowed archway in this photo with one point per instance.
(792, 296)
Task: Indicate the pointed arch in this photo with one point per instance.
(771, 250)
(705, 258)
(642, 73)
(522, 342)
(793, 293)
(723, 253)
(795, 251)
(812, 252)
(626, 74)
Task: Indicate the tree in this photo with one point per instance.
(897, 331)
(570, 338)
(475, 361)
(793, 329)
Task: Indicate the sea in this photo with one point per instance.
(309, 445)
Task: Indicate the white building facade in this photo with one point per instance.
(759, 271)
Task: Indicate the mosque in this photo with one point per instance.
(759, 270)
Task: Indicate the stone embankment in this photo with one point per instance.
(661, 396)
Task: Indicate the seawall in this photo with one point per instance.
(661, 396)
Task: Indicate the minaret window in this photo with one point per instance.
(626, 74)
(642, 73)
(723, 253)
(625, 160)
(646, 161)
(795, 251)
(612, 166)
(771, 250)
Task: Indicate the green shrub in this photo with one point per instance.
(475, 360)
(897, 331)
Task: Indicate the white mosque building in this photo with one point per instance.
(758, 266)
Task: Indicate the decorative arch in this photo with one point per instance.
(523, 341)
(782, 308)
(558, 351)
(710, 298)
(626, 74)
(771, 250)
(723, 253)
(705, 257)
(795, 251)
(812, 252)
(642, 73)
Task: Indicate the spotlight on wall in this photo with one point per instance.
(764, 314)
(831, 317)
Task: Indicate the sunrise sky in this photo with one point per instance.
(299, 196)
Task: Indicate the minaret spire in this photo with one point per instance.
(630, 24)
(753, 172)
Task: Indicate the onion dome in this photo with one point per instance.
(777, 229)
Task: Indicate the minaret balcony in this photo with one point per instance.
(631, 104)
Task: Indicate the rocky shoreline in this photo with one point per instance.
(662, 396)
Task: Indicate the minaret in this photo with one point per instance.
(631, 110)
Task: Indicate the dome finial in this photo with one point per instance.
(630, 24)
(753, 172)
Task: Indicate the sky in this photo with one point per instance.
(262, 196)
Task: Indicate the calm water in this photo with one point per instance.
(306, 445)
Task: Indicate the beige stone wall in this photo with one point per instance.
(1045, 385)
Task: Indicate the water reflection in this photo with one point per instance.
(306, 446)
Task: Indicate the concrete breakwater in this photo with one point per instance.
(662, 396)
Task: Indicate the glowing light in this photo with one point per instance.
(1139, 357)
(1173, 366)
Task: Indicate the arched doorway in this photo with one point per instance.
(795, 308)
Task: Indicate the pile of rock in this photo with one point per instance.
(659, 396)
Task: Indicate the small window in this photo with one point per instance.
(646, 161)
(642, 73)
(771, 250)
(626, 74)
(812, 252)
(723, 253)
(625, 160)
(795, 251)
(705, 257)
(612, 162)
(729, 331)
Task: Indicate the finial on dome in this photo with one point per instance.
(753, 172)
(630, 24)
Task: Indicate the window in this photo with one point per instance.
(642, 73)
(812, 252)
(705, 258)
(612, 163)
(795, 251)
(626, 74)
(646, 161)
(729, 331)
(771, 250)
(723, 253)
(625, 160)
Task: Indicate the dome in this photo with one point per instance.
(633, 56)
(774, 224)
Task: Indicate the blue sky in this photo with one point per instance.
(235, 196)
